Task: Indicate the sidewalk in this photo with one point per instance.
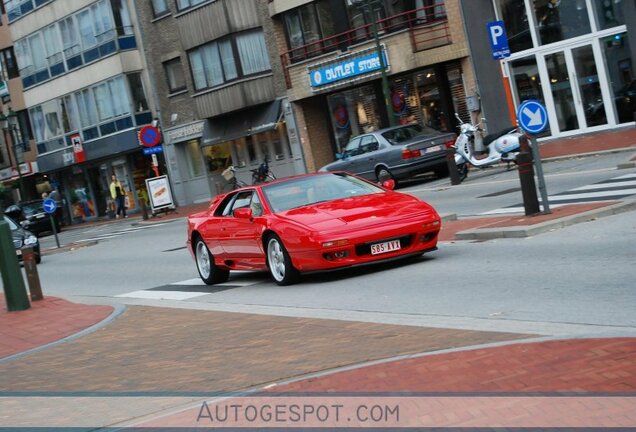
(49, 320)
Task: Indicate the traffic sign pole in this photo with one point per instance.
(49, 205)
(533, 118)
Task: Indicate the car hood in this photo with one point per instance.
(358, 212)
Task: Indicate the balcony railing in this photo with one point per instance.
(427, 26)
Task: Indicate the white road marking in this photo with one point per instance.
(162, 295)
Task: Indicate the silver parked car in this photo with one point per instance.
(395, 153)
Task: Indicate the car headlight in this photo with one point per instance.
(30, 240)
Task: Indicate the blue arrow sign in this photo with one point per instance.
(49, 205)
(532, 116)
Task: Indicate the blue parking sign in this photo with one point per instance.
(498, 40)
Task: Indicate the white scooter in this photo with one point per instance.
(502, 146)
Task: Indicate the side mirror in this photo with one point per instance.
(388, 184)
(243, 213)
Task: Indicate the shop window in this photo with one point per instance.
(620, 71)
(240, 153)
(251, 149)
(193, 158)
(609, 13)
(174, 75)
(354, 112)
(217, 157)
(557, 20)
(514, 15)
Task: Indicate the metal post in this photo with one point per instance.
(537, 163)
(453, 173)
(57, 240)
(31, 270)
(14, 289)
(367, 4)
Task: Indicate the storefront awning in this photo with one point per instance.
(250, 121)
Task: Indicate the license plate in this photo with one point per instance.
(380, 248)
(433, 149)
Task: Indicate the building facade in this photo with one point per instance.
(221, 93)
(86, 94)
(333, 67)
(16, 144)
(574, 56)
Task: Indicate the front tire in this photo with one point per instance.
(209, 272)
(279, 262)
(383, 174)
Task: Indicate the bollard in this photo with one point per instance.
(31, 270)
(14, 289)
(144, 210)
(526, 177)
(453, 173)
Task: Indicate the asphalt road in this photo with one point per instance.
(574, 281)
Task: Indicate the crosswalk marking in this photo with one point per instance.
(612, 189)
(162, 295)
(118, 233)
(192, 288)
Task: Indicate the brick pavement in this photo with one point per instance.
(451, 228)
(159, 349)
(47, 321)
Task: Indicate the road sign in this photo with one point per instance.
(49, 205)
(498, 40)
(153, 150)
(532, 116)
(149, 136)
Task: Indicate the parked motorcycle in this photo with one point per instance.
(502, 146)
(262, 174)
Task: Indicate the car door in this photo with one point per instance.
(241, 237)
(368, 158)
(349, 152)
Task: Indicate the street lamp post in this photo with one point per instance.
(370, 6)
(9, 124)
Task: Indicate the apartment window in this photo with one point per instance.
(227, 59)
(309, 23)
(174, 75)
(140, 103)
(187, 4)
(121, 16)
(9, 64)
(160, 8)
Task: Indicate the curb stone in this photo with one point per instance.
(531, 230)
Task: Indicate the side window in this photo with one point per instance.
(225, 207)
(256, 206)
(242, 200)
(353, 148)
(368, 144)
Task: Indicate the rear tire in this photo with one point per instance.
(279, 262)
(462, 169)
(209, 272)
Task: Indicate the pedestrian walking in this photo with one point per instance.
(118, 193)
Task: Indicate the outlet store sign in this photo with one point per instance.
(354, 65)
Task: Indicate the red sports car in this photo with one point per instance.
(309, 223)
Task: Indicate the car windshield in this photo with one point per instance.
(12, 225)
(401, 134)
(32, 208)
(305, 191)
